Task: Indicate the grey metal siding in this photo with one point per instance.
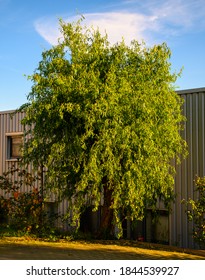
(13, 125)
(8, 125)
(194, 164)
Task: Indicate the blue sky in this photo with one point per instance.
(29, 27)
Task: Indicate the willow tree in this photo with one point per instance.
(104, 120)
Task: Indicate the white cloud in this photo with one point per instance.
(48, 28)
(148, 20)
(122, 24)
(117, 25)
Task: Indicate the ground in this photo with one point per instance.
(32, 249)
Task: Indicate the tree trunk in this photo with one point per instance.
(106, 229)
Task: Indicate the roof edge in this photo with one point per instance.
(188, 91)
(7, 112)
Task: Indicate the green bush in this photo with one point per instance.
(24, 210)
(196, 212)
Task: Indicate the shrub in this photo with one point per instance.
(197, 212)
(25, 210)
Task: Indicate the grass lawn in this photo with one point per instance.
(15, 248)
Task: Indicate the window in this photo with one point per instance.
(14, 145)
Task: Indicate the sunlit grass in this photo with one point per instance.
(27, 248)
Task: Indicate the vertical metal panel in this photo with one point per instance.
(8, 125)
(194, 164)
(11, 125)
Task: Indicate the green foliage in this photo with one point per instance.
(197, 212)
(24, 210)
(104, 117)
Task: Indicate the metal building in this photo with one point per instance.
(194, 134)
(11, 131)
(172, 228)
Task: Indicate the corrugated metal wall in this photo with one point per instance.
(194, 164)
(8, 125)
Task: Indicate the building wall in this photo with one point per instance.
(180, 230)
(194, 164)
(8, 125)
(12, 125)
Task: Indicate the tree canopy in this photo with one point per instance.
(104, 120)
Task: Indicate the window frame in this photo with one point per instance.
(9, 137)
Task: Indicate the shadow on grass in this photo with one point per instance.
(76, 251)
